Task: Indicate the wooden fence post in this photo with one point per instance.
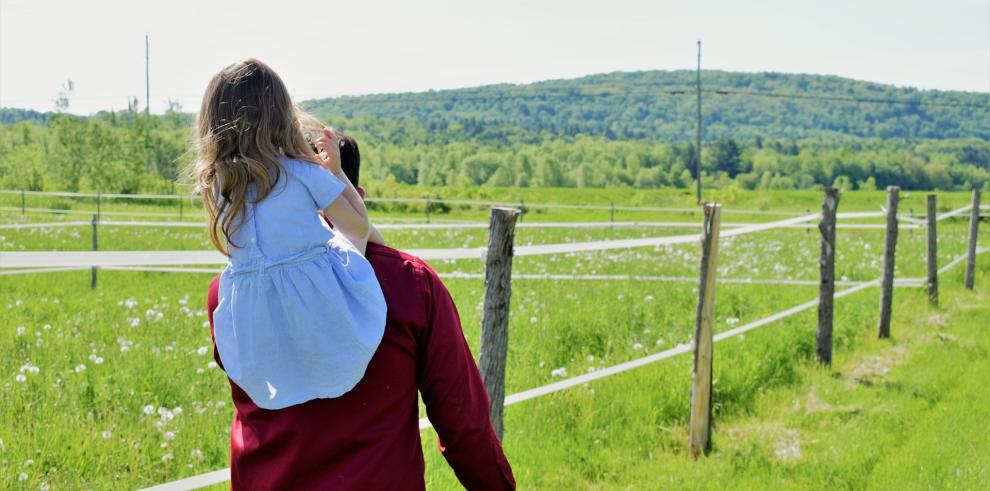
(427, 210)
(180, 208)
(889, 249)
(23, 207)
(974, 224)
(92, 271)
(932, 252)
(826, 289)
(495, 320)
(611, 212)
(97, 205)
(701, 375)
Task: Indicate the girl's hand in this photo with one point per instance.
(329, 146)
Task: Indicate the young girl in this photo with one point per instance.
(300, 311)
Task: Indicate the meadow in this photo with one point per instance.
(115, 387)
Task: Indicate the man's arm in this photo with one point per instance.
(456, 399)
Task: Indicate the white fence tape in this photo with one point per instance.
(88, 212)
(461, 225)
(9, 226)
(956, 212)
(174, 258)
(40, 270)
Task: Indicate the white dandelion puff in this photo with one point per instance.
(559, 372)
(201, 351)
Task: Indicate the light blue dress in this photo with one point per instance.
(300, 311)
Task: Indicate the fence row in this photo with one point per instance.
(427, 203)
(498, 291)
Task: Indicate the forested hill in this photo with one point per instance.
(660, 106)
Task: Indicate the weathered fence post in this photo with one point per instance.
(180, 208)
(97, 205)
(974, 224)
(611, 212)
(889, 249)
(495, 320)
(522, 209)
(92, 271)
(826, 289)
(701, 375)
(427, 210)
(23, 204)
(932, 252)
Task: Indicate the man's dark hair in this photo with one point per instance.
(350, 159)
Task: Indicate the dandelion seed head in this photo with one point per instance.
(106, 435)
(201, 351)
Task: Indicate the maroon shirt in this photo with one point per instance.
(369, 438)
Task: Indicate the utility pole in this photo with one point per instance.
(697, 157)
(147, 103)
(147, 78)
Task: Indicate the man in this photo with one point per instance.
(369, 438)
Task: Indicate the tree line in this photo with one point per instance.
(622, 129)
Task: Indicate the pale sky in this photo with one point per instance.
(330, 48)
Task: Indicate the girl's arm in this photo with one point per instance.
(376, 236)
(347, 212)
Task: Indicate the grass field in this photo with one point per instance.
(114, 388)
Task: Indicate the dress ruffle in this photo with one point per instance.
(299, 328)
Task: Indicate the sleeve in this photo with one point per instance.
(322, 185)
(456, 399)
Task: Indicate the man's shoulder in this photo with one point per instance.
(385, 259)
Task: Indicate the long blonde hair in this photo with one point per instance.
(246, 122)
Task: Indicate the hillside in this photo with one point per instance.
(660, 106)
(616, 129)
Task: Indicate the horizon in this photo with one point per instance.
(513, 84)
(444, 45)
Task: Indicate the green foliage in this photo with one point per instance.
(609, 130)
(660, 106)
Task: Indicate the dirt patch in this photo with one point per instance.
(815, 405)
(873, 369)
(783, 443)
(940, 320)
(787, 446)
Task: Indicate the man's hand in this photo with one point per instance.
(329, 147)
